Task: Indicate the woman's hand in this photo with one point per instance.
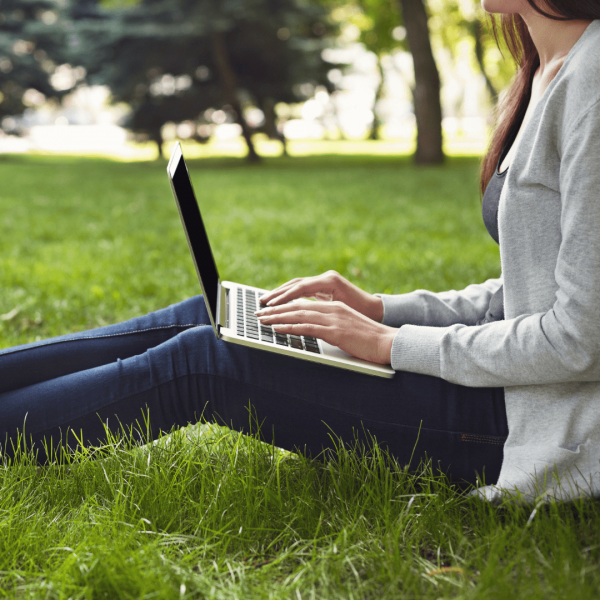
(336, 323)
(330, 286)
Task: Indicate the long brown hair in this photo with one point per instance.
(513, 106)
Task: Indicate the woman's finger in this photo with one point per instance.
(298, 316)
(269, 295)
(323, 307)
(281, 288)
(288, 295)
(306, 288)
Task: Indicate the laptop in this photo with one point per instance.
(231, 306)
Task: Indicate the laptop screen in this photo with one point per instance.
(194, 230)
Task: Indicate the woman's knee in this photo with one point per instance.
(198, 309)
(189, 312)
(201, 353)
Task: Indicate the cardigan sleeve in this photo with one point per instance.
(557, 346)
(421, 307)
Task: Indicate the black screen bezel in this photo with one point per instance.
(195, 232)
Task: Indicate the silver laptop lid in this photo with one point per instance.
(191, 219)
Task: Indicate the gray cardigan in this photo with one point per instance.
(546, 353)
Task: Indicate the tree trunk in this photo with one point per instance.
(476, 28)
(426, 93)
(270, 127)
(338, 121)
(229, 85)
(376, 121)
(156, 137)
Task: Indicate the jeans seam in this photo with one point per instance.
(100, 337)
(480, 439)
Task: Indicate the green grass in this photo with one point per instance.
(206, 513)
(86, 242)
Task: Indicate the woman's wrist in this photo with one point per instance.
(386, 341)
(374, 308)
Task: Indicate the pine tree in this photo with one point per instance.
(32, 42)
(172, 60)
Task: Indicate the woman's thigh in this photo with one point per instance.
(298, 404)
(26, 365)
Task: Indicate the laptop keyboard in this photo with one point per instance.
(247, 325)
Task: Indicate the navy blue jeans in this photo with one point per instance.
(170, 363)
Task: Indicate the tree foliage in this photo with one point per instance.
(174, 60)
(189, 60)
(458, 22)
(378, 26)
(32, 43)
(382, 32)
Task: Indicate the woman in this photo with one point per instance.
(512, 364)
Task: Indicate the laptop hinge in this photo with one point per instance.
(222, 315)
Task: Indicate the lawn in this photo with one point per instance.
(206, 513)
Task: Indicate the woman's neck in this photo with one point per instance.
(553, 39)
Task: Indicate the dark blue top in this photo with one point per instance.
(491, 196)
(489, 208)
(491, 201)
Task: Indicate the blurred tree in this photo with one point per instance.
(379, 27)
(385, 25)
(32, 42)
(150, 57)
(428, 108)
(179, 60)
(277, 55)
(477, 29)
(461, 22)
(381, 33)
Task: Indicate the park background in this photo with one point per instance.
(342, 134)
(84, 76)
